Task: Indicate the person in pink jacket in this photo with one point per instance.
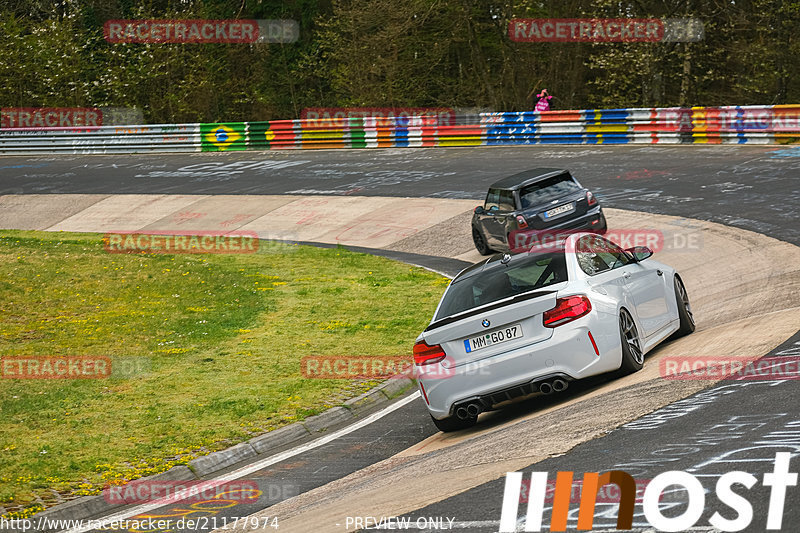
(543, 104)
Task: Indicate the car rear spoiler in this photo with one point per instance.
(486, 308)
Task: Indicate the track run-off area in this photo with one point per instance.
(728, 219)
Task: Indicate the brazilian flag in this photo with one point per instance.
(223, 137)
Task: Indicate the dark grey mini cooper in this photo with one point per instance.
(521, 208)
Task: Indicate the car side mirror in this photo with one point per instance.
(640, 253)
(478, 210)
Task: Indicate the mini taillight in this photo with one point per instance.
(566, 310)
(427, 355)
(521, 222)
(590, 199)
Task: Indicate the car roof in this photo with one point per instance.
(526, 178)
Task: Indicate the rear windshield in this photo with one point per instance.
(546, 190)
(501, 282)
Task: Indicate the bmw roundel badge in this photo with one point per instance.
(486, 323)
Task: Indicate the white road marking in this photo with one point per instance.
(254, 467)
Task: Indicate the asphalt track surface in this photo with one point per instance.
(756, 188)
(752, 187)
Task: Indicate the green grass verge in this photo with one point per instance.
(218, 340)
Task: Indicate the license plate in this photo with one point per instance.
(558, 210)
(495, 337)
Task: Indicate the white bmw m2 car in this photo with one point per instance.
(517, 325)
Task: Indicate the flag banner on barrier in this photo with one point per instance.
(756, 124)
(223, 137)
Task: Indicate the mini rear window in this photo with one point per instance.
(547, 190)
(501, 282)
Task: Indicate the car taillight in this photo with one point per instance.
(521, 222)
(566, 310)
(590, 199)
(427, 355)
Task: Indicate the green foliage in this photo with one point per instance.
(451, 53)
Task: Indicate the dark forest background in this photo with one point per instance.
(393, 53)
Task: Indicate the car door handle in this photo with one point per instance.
(658, 271)
(626, 275)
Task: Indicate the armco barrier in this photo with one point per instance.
(713, 125)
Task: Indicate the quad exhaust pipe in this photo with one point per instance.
(470, 410)
(553, 385)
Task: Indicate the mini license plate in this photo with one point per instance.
(558, 210)
(495, 337)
